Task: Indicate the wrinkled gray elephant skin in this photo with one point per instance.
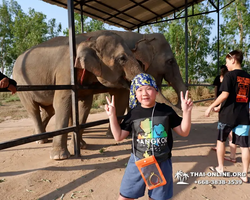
(104, 57)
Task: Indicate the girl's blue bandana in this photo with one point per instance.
(140, 80)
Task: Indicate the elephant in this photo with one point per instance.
(49, 64)
(156, 57)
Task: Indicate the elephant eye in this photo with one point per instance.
(121, 59)
(170, 61)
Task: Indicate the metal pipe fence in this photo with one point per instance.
(46, 135)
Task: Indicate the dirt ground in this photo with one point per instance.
(27, 173)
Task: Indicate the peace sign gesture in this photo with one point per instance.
(110, 107)
(186, 103)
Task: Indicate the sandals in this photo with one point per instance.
(214, 169)
(228, 158)
(244, 180)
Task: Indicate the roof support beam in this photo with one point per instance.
(101, 11)
(171, 5)
(212, 3)
(140, 4)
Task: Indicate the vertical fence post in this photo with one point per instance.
(186, 43)
(82, 24)
(74, 92)
(218, 37)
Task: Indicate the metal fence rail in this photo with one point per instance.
(46, 135)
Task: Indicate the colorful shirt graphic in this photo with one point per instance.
(151, 138)
(243, 89)
(159, 134)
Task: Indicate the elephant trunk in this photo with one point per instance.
(179, 86)
(132, 68)
(177, 83)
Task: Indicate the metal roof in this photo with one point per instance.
(128, 14)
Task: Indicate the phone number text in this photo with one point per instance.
(219, 182)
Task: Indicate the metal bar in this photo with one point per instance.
(96, 123)
(214, 4)
(43, 87)
(203, 100)
(74, 92)
(218, 38)
(186, 43)
(82, 25)
(45, 135)
(167, 13)
(227, 4)
(148, 23)
(55, 87)
(33, 138)
(22, 88)
(170, 5)
(121, 12)
(189, 85)
(105, 20)
(140, 4)
(101, 11)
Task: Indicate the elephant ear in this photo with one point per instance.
(86, 58)
(144, 52)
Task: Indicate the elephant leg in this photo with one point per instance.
(84, 106)
(121, 104)
(33, 110)
(63, 108)
(46, 113)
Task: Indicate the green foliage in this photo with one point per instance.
(89, 25)
(8, 97)
(5, 32)
(102, 150)
(95, 105)
(12, 98)
(20, 31)
(234, 31)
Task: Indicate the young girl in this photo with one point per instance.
(150, 124)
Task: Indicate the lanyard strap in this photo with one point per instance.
(152, 132)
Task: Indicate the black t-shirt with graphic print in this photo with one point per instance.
(138, 123)
(235, 109)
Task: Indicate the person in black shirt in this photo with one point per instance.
(218, 80)
(217, 83)
(234, 111)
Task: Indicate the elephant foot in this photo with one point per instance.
(109, 134)
(59, 154)
(42, 141)
(83, 144)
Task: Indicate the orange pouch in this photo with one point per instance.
(151, 172)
